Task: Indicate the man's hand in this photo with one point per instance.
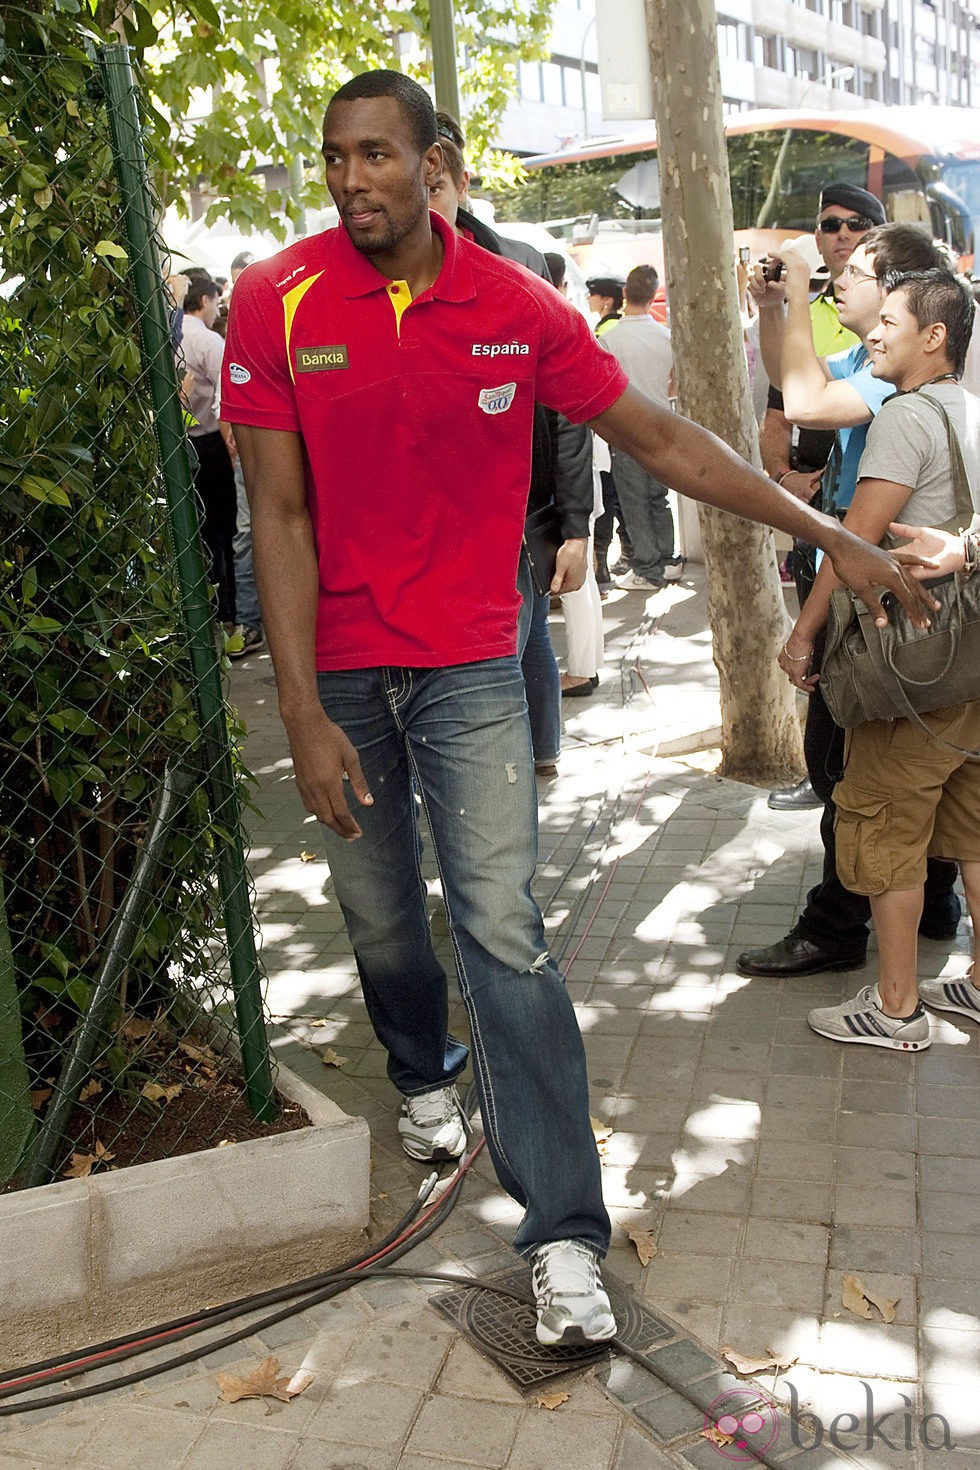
(326, 766)
(869, 572)
(570, 566)
(928, 553)
(804, 484)
(796, 661)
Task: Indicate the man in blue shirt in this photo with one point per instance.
(837, 393)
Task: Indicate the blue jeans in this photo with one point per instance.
(246, 597)
(643, 501)
(542, 681)
(461, 735)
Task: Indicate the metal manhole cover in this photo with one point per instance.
(502, 1329)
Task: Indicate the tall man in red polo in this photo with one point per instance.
(382, 377)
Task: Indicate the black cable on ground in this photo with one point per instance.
(302, 1294)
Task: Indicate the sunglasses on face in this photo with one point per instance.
(857, 224)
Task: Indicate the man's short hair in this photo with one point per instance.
(556, 267)
(641, 285)
(413, 100)
(201, 289)
(901, 248)
(242, 259)
(939, 296)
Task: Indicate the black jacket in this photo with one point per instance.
(561, 452)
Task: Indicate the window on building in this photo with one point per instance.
(732, 40)
(807, 62)
(552, 87)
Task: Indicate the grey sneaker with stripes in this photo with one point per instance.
(960, 996)
(862, 1020)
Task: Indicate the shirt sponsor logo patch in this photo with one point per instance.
(497, 400)
(239, 374)
(501, 349)
(321, 359)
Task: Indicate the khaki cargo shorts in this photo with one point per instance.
(905, 797)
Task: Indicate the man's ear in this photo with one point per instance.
(935, 337)
(433, 164)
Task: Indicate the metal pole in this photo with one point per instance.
(120, 89)
(442, 38)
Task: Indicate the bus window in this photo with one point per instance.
(777, 176)
(963, 177)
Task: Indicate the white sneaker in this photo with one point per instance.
(571, 1303)
(674, 569)
(862, 1020)
(961, 996)
(633, 582)
(432, 1126)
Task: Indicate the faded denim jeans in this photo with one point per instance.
(460, 734)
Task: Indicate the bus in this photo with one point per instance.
(603, 198)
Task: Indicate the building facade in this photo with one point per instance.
(773, 53)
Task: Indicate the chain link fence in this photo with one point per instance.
(131, 1023)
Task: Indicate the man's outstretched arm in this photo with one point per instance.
(288, 583)
(682, 454)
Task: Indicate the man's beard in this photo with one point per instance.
(392, 236)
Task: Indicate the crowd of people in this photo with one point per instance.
(416, 410)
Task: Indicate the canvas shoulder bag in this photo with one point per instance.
(900, 671)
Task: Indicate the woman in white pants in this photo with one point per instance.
(582, 610)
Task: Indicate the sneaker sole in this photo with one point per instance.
(939, 1005)
(888, 1043)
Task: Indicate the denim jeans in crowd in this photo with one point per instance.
(643, 501)
(459, 737)
(246, 597)
(542, 681)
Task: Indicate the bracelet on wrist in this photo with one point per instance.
(796, 658)
(784, 476)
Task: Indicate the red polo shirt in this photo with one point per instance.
(416, 418)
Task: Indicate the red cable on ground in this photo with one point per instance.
(99, 1359)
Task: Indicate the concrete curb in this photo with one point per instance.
(89, 1258)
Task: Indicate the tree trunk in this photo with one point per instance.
(760, 729)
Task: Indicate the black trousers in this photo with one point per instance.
(834, 917)
(611, 512)
(214, 481)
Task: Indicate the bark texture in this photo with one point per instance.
(760, 729)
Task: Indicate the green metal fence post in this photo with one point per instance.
(120, 92)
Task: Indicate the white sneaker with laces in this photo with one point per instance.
(961, 996)
(862, 1020)
(432, 1126)
(571, 1303)
(633, 582)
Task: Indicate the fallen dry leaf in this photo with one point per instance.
(329, 1058)
(198, 1053)
(742, 1363)
(92, 1088)
(853, 1298)
(102, 1153)
(308, 857)
(319, 1021)
(601, 1131)
(135, 1028)
(39, 1096)
(80, 1166)
(300, 1382)
(155, 1093)
(857, 1298)
(716, 1436)
(263, 1382)
(550, 1400)
(646, 1245)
